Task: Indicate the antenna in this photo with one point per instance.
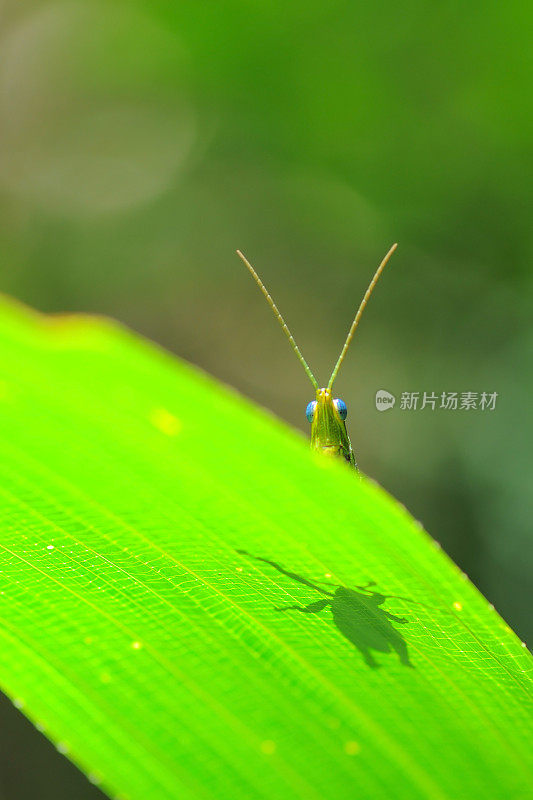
(280, 319)
(360, 310)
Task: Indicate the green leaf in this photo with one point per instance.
(182, 601)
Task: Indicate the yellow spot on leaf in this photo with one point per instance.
(268, 747)
(165, 422)
(136, 645)
(458, 606)
(352, 748)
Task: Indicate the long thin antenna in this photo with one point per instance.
(280, 319)
(360, 310)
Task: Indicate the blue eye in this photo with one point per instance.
(310, 410)
(340, 405)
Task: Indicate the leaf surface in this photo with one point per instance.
(194, 606)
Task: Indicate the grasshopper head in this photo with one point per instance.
(328, 430)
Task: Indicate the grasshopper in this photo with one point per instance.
(326, 413)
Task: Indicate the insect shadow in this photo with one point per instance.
(357, 614)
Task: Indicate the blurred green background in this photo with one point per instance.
(142, 142)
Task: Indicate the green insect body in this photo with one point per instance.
(326, 413)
